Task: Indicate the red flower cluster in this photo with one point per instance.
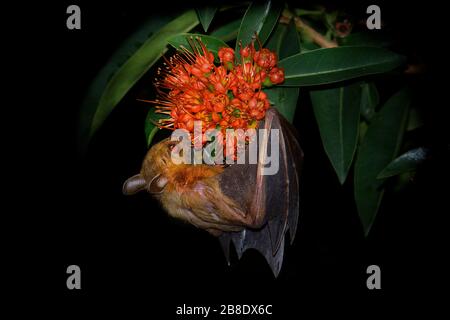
(192, 88)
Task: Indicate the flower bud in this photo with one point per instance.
(226, 55)
(276, 75)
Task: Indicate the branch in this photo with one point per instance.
(317, 37)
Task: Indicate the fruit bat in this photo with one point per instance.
(236, 203)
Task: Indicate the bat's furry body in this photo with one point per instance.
(236, 203)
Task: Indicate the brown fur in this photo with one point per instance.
(191, 192)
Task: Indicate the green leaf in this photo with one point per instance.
(228, 31)
(363, 126)
(337, 113)
(291, 42)
(284, 99)
(213, 44)
(407, 162)
(284, 41)
(206, 15)
(150, 124)
(415, 119)
(330, 65)
(275, 41)
(260, 18)
(120, 56)
(369, 100)
(109, 89)
(401, 182)
(306, 46)
(380, 146)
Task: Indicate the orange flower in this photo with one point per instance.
(265, 58)
(226, 55)
(276, 75)
(192, 88)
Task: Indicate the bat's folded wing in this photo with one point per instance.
(271, 200)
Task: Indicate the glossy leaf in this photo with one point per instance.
(122, 54)
(330, 65)
(260, 18)
(206, 15)
(285, 42)
(284, 99)
(369, 100)
(291, 42)
(415, 119)
(108, 90)
(275, 41)
(407, 162)
(150, 124)
(363, 126)
(337, 113)
(213, 44)
(380, 146)
(306, 46)
(228, 31)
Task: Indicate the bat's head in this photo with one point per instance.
(153, 175)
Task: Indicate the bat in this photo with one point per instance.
(237, 204)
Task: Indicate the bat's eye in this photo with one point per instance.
(171, 145)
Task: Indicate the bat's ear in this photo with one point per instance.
(157, 184)
(133, 185)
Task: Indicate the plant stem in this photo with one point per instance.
(302, 12)
(317, 37)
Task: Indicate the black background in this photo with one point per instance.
(69, 209)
